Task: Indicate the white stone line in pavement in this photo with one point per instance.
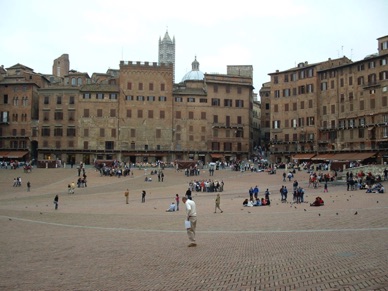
(204, 231)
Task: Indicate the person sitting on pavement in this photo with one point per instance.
(318, 202)
(247, 203)
(257, 202)
(171, 208)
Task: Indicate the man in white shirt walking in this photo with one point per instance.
(191, 212)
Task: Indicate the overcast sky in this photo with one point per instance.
(268, 35)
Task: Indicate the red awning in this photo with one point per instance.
(323, 157)
(144, 154)
(344, 156)
(13, 155)
(352, 156)
(217, 156)
(3, 154)
(303, 156)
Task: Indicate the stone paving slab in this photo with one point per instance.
(94, 241)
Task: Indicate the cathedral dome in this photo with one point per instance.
(195, 73)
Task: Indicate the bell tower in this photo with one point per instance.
(167, 51)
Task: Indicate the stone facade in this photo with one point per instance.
(146, 128)
(213, 117)
(265, 134)
(256, 124)
(57, 128)
(332, 106)
(137, 114)
(19, 109)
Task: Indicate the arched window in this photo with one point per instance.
(73, 82)
(79, 81)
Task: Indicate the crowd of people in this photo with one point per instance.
(376, 188)
(192, 171)
(255, 200)
(315, 179)
(206, 185)
(14, 164)
(366, 181)
(114, 170)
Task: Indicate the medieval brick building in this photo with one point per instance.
(331, 110)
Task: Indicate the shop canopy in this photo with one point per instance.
(353, 156)
(217, 156)
(323, 157)
(344, 156)
(12, 154)
(303, 156)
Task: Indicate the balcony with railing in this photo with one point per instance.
(371, 84)
(227, 125)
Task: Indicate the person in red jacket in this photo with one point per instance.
(318, 202)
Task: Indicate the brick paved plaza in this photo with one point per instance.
(95, 241)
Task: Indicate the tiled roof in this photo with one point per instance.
(72, 74)
(19, 66)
